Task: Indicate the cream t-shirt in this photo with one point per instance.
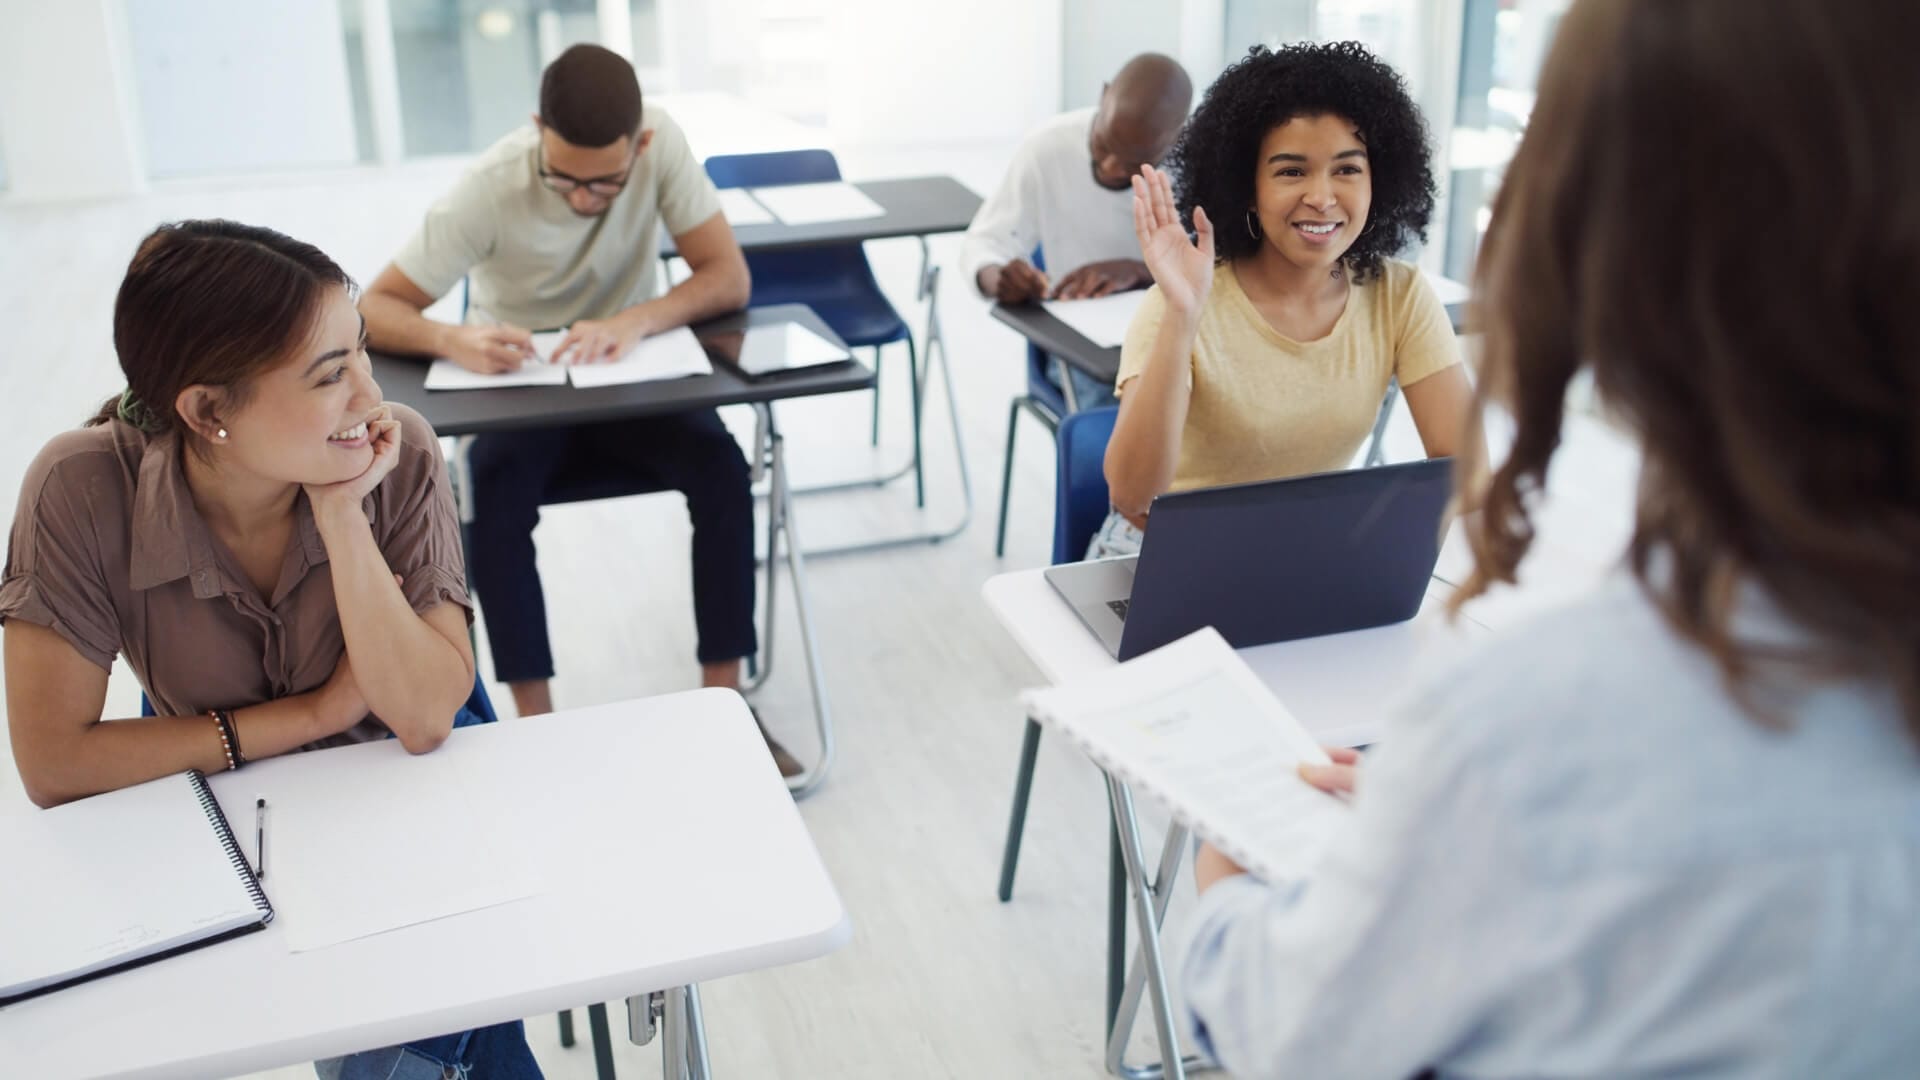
(530, 260)
(1266, 406)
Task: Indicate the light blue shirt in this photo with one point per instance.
(1578, 857)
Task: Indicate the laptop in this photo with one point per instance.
(1270, 561)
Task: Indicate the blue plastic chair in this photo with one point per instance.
(1079, 507)
(1045, 402)
(836, 280)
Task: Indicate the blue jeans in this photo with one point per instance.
(490, 1053)
(1088, 392)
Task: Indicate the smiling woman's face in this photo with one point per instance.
(304, 421)
(1312, 188)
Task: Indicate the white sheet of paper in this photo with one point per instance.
(446, 375)
(788, 345)
(811, 204)
(416, 843)
(1196, 729)
(1103, 320)
(742, 208)
(675, 354)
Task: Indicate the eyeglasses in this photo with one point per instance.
(604, 186)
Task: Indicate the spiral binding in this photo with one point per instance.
(218, 819)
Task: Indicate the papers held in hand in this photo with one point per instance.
(1192, 726)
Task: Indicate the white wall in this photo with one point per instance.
(231, 86)
(64, 105)
(925, 71)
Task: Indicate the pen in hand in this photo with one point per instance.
(260, 838)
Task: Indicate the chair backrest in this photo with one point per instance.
(1080, 490)
(803, 276)
(477, 710)
(778, 167)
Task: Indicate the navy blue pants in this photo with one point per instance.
(515, 472)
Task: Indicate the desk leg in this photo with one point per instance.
(935, 351)
(602, 1041)
(1150, 907)
(780, 524)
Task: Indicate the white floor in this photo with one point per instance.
(941, 979)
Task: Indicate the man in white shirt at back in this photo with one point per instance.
(1069, 193)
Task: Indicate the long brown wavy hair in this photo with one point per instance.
(1716, 211)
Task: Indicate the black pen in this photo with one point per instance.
(260, 838)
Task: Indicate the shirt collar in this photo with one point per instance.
(172, 541)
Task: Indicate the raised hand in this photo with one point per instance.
(1182, 268)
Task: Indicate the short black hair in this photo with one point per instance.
(590, 96)
(1214, 158)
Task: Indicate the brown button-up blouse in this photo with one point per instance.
(109, 551)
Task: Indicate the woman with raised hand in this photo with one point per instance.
(1269, 337)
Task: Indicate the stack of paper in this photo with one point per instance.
(1103, 320)
(742, 209)
(675, 354)
(811, 204)
(1194, 727)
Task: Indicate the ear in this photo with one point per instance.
(202, 409)
(538, 124)
(640, 144)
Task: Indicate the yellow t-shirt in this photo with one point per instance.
(1266, 406)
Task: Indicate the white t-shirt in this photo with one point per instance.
(1050, 200)
(530, 260)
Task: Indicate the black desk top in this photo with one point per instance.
(1039, 326)
(914, 205)
(463, 412)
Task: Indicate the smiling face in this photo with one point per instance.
(1312, 189)
(304, 420)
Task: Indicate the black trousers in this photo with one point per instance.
(514, 473)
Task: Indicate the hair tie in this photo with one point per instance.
(132, 411)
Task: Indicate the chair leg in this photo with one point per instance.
(566, 1027)
(876, 395)
(1017, 823)
(602, 1041)
(1116, 923)
(1006, 480)
(914, 384)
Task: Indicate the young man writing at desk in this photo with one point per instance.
(1068, 193)
(558, 225)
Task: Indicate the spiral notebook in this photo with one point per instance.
(1195, 729)
(119, 880)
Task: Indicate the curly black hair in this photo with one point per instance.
(1214, 158)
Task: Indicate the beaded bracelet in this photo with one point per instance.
(229, 742)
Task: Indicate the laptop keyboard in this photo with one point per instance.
(1119, 608)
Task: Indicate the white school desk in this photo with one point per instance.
(669, 854)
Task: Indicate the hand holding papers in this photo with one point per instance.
(1195, 728)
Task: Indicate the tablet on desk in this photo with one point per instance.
(761, 352)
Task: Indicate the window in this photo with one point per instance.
(1502, 46)
(469, 70)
